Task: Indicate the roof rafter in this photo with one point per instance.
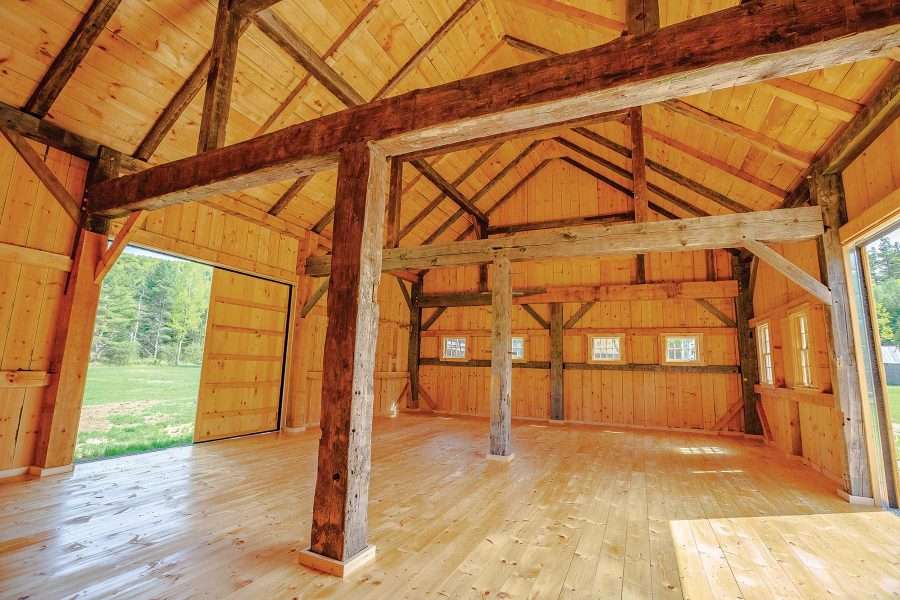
(66, 62)
(633, 70)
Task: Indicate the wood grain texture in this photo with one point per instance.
(341, 499)
(501, 360)
(80, 42)
(827, 192)
(220, 79)
(594, 479)
(725, 231)
(727, 49)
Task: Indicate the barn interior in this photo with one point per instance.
(510, 298)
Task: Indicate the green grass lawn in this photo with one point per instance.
(136, 408)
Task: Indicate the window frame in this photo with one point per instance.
(524, 339)
(764, 367)
(606, 361)
(794, 319)
(664, 349)
(443, 348)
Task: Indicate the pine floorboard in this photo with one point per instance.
(582, 512)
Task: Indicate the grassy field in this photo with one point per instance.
(136, 408)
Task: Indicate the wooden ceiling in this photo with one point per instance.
(743, 148)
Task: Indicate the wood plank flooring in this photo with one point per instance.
(582, 512)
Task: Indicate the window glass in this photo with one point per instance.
(454, 348)
(764, 342)
(606, 348)
(802, 352)
(517, 349)
(682, 348)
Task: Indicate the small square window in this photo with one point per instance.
(605, 348)
(454, 348)
(682, 349)
(517, 348)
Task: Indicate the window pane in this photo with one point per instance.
(606, 348)
(517, 349)
(454, 347)
(681, 349)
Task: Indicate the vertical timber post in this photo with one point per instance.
(557, 411)
(746, 344)
(827, 191)
(501, 362)
(338, 542)
(223, 60)
(61, 408)
(639, 168)
(415, 342)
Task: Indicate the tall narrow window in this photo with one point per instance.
(764, 346)
(802, 352)
(517, 348)
(453, 348)
(681, 349)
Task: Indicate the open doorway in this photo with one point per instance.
(144, 375)
(875, 278)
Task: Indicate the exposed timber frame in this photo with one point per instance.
(219, 82)
(704, 233)
(803, 36)
(340, 522)
(63, 67)
(828, 194)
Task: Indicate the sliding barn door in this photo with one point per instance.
(243, 358)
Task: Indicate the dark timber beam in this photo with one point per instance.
(296, 47)
(340, 505)
(555, 223)
(879, 113)
(534, 314)
(726, 50)
(747, 350)
(220, 80)
(45, 132)
(413, 350)
(638, 160)
(177, 105)
(247, 8)
(588, 295)
(827, 192)
(289, 194)
(449, 190)
(65, 63)
(436, 201)
(557, 398)
(395, 197)
(642, 16)
(485, 189)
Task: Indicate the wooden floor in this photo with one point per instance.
(581, 513)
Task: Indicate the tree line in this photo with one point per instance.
(884, 261)
(152, 310)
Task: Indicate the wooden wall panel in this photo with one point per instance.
(875, 174)
(218, 238)
(651, 399)
(391, 375)
(815, 419)
(29, 294)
